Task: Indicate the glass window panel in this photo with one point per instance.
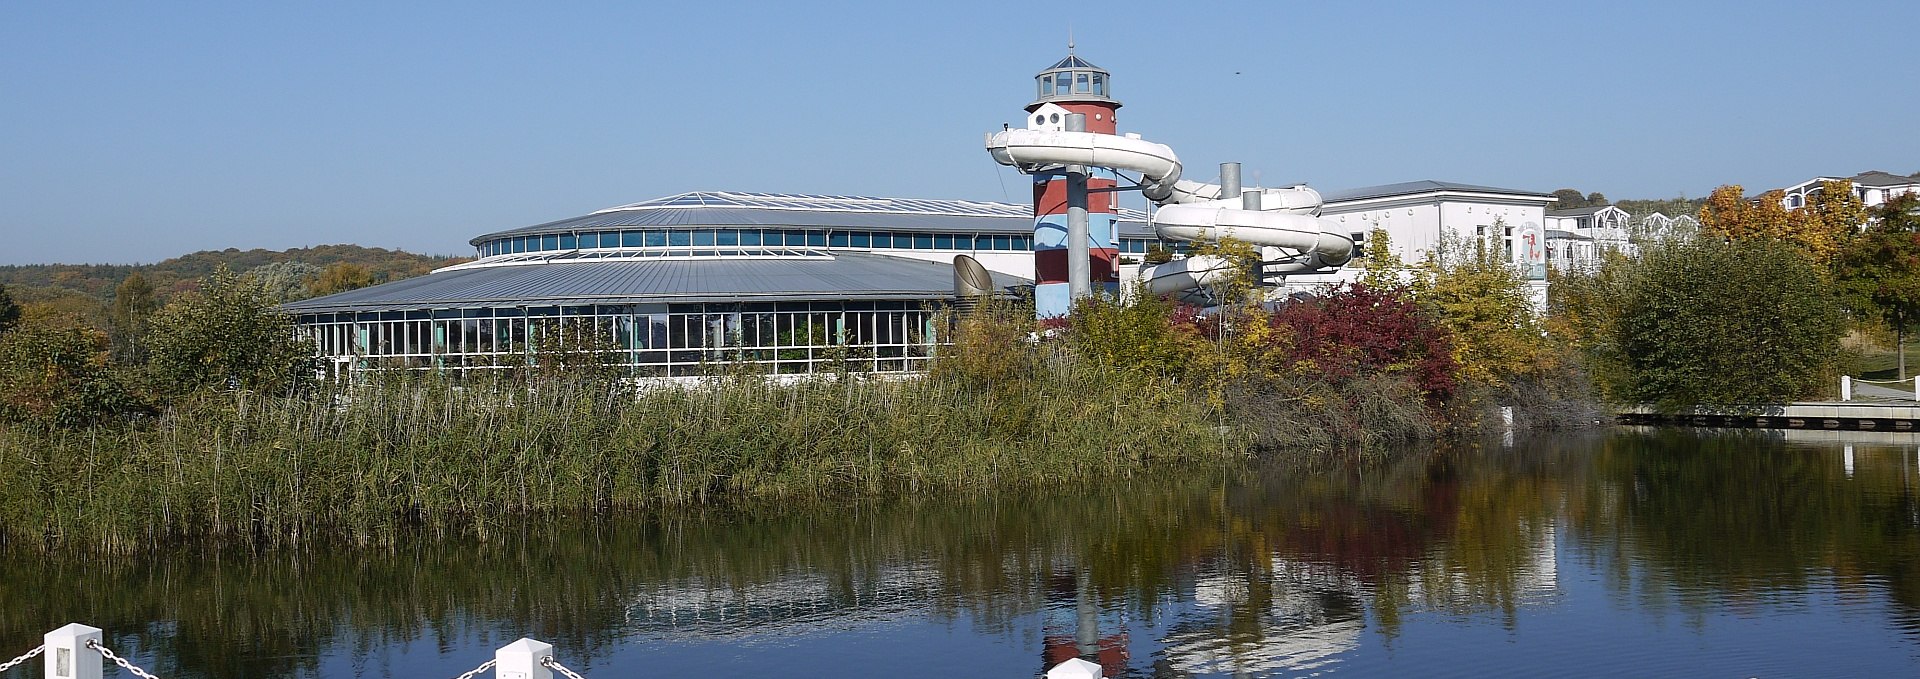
(656, 239)
(678, 238)
(943, 241)
(817, 239)
(1046, 85)
(882, 239)
(631, 239)
(1099, 84)
(609, 239)
(749, 236)
(838, 240)
(796, 238)
(923, 241)
(1003, 242)
(589, 241)
(703, 238)
(861, 239)
(550, 243)
(1060, 85)
(727, 237)
(1080, 83)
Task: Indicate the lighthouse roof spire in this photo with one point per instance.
(1074, 79)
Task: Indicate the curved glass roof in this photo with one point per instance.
(804, 211)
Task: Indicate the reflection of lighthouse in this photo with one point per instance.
(1069, 87)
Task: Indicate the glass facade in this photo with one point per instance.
(763, 240)
(648, 340)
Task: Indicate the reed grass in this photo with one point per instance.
(365, 462)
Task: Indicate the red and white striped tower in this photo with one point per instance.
(1068, 87)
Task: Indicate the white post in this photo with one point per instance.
(1076, 669)
(1916, 387)
(1849, 460)
(68, 656)
(521, 660)
(1846, 387)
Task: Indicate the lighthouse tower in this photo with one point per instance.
(1073, 86)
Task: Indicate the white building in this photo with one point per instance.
(1420, 217)
(1873, 187)
(1577, 238)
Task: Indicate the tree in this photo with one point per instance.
(227, 335)
(1597, 199)
(1380, 268)
(9, 311)
(1483, 302)
(56, 374)
(1822, 229)
(340, 277)
(1568, 199)
(1878, 275)
(133, 303)
(286, 281)
(1713, 322)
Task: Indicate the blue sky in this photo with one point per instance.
(133, 132)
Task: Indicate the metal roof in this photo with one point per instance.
(1419, 187)
(727, 208)
(1073, 62)
(840, 276)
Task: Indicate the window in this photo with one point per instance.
(817, 239)
(727, 237)
(589, 241)
(631, 239)
(749, 236)
(1100, 84)
(656, 239)
(923, 241)
(550, 243)
(1046, 84)
(679, 239)
(703, 238)
(1060, 86)
(882, 239)
(943, 242)
(838, 240)
(1003, 242)
(1080, 83)
(861, 239)
(566, 241)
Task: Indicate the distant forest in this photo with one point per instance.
(84, 291)
(1573, 199)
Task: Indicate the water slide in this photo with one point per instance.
(1286, 219)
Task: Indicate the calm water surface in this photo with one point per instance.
(1624, 552)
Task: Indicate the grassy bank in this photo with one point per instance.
(362, 463)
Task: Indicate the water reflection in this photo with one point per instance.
(1339, 563)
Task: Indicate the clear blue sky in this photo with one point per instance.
(132, 132)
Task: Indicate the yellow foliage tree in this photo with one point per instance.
(1831, 218)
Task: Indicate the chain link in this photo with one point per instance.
(117, 660)
(477, 670)
(23, 658)
(555, 665)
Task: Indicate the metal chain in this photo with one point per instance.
(117, 660)
(555, 665)
(477, 670)
(4, 666)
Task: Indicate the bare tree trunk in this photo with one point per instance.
(1900, 340)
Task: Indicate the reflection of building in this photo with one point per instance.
(800, 602)
(1300, 618)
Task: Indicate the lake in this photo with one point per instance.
(1616, 552)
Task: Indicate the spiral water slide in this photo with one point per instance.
(1284, 218)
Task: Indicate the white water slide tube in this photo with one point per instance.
(1287, 218)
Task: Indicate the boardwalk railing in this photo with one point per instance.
(1854, 388)
(76, 652)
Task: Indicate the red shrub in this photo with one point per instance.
(1352, 330)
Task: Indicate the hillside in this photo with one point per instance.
(84, 289)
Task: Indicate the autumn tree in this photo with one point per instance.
(1822, 228)
(1879, 273)
(56, 374)
(341, 277)
(1380, 268)
(228, 334)
(133, 303)
(1482, 300)
(1568, 199)
(9, 311)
